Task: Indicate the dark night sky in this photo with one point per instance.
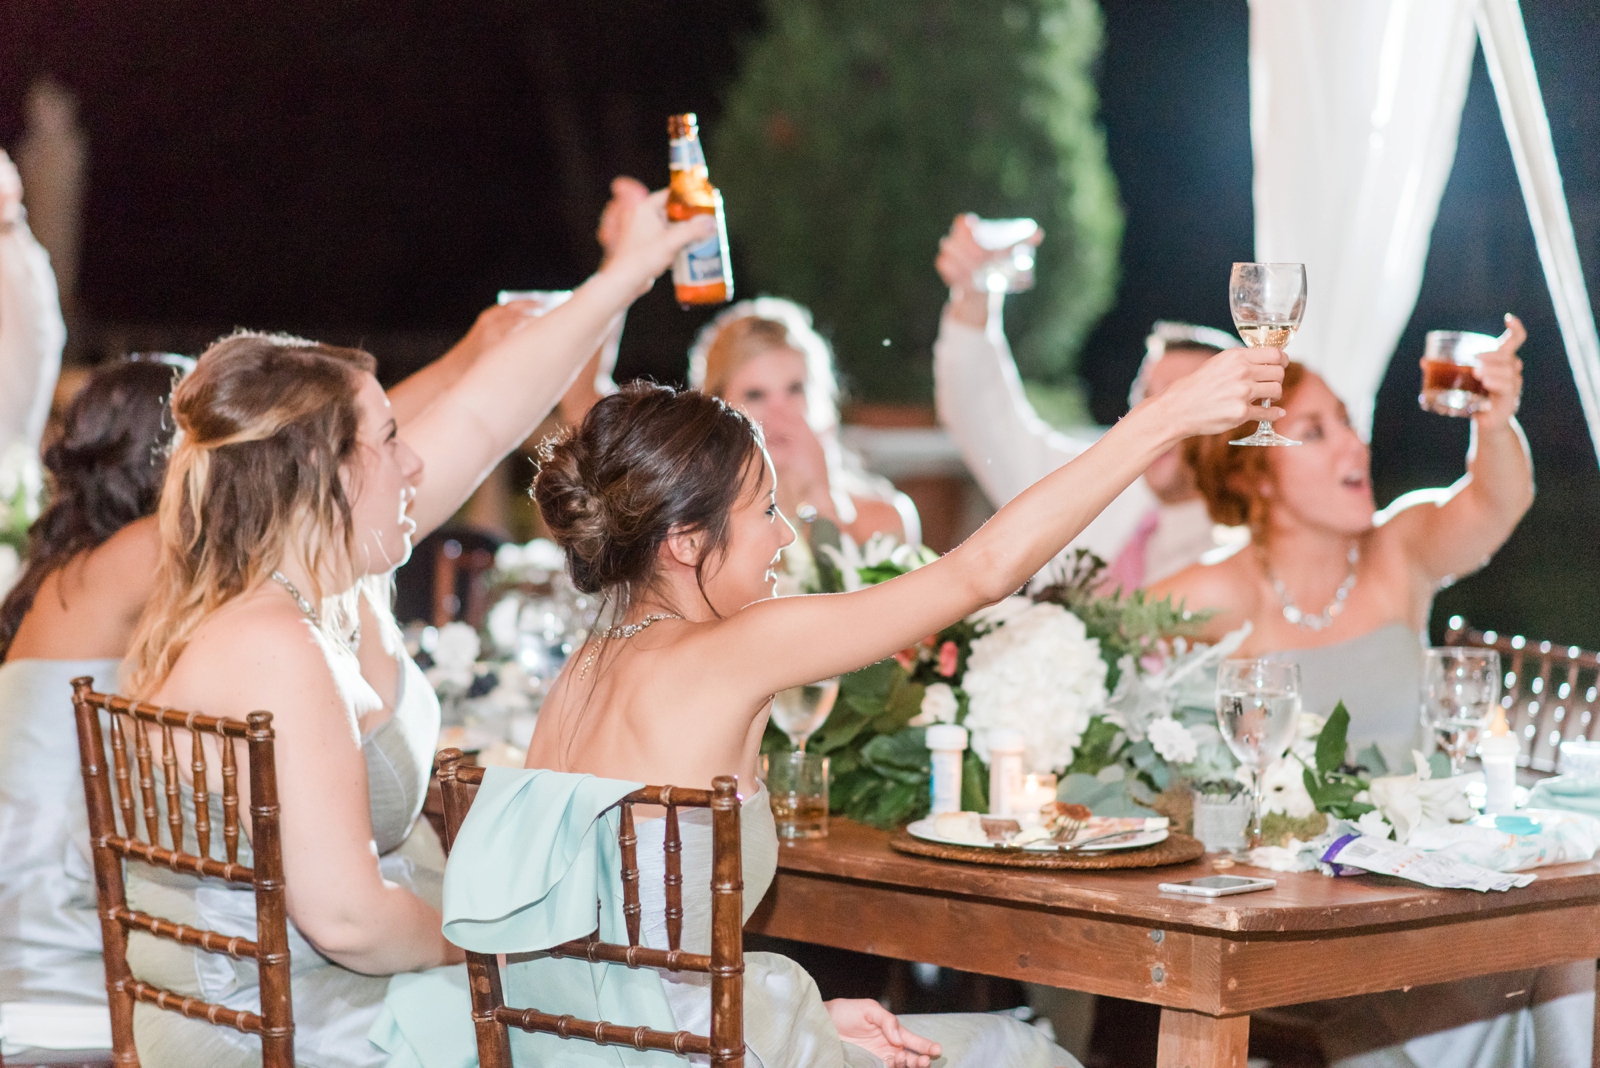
(364, 170)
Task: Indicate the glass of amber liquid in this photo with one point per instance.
(1450, 383)
(797, 784)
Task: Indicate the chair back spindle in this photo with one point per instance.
(491, 1017)
(1550, 693)
(108, 792)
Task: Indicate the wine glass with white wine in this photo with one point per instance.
(1268, 301)
(800, 710)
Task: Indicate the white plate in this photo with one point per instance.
(923, 829)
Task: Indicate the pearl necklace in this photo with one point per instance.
(622, 632)
(1323, 619)
(310, 610)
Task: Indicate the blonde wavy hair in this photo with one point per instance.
(753, 327)
(264, 425)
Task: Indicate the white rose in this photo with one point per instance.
(939, 705)
(1172, 740)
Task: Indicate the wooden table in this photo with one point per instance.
(1207, 962)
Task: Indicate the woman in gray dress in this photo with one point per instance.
(71, 613)
(1346, 591)
(291, 495)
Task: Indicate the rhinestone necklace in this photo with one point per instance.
(1300, 618)
(624, 631)
(310, 610)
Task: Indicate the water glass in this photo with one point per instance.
(1258, 707)
(1460, 688)
(1010, 269)
(797, 784)
(1449, 384)
(800, 710)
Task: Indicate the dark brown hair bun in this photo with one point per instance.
(646, 461)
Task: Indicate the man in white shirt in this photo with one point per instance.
(1159, 525)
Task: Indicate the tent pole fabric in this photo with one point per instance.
(1516, 87)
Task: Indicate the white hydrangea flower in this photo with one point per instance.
(1172, 740)
(1039, 673)
(939, 705)
(1001, 612)
(455, 654)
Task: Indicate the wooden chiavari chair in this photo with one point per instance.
(451, 565)
(129, 725)
(725, 1045)
(1550, 692)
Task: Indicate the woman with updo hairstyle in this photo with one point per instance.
(291, 495)
(764, 357)
(666, 505)
(70, 613)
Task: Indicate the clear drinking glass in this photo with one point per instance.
(1258, 704)
(797, 785)
(1010, 269)
(800, 710)
(1460, 688)
(1450, 385)
(1268, 301)
(544, 299)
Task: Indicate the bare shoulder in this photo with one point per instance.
(1226, 587)
(256, 655)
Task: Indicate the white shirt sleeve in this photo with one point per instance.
(32, 334)
(1005, 444)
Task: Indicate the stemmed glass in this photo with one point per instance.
(1460, 688)
(800, 710)
(1258, 704)
(1268, 301)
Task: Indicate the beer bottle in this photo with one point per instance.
(702, 273)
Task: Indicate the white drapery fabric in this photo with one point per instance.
(1354, 110)
(1516, 87)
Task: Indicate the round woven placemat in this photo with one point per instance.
(1175, 849)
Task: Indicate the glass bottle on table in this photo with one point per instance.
(702, 273)
(1268, 300)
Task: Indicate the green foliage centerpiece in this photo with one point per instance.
(1094, 680)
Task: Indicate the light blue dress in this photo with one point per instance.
(334, 1007)
(535, 854)
(49, 933)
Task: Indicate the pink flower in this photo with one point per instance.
(907, 658)
(948, 654)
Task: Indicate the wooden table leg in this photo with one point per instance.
(1195, 1040)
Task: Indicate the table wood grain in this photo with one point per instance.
(1207, 962)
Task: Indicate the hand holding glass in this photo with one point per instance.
(1010, 268)
(1460, 688)
(1268, 301)
(1258, 703)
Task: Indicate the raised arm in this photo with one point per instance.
(31, 330)
(1454, 530)
(412, 396)
(977, 390)
(792, 640)
(508, 390)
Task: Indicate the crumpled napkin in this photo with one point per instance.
(1410, 802)
(1567, 792)
(1532, 838)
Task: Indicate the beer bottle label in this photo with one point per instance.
(699, 264)
(686, 154)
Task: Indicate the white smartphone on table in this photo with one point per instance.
(1218, 885)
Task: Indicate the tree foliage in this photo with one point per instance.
(859, 128)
